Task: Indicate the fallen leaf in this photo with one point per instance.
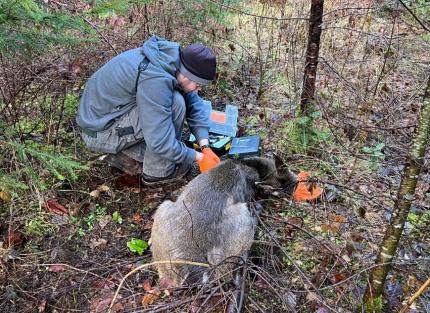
(337, 218)
(165, 283)
(13, 239)
(346, 258)
(298, 221)
(357, 237)
(95, 193)
(101, 304)
(75, 67)
(337, 277)
(196, 305)
(56, 268)
(98, 242)
(312, 296)
(147, 226)
(333, 228)
(150, 298)
(100, 189)
(103, 188)
(5, 196)
(42, 306)
(137, 218)
(103, 283)
(60, 219)
(147, 286)
(55, 207)
(104, 221)
(117, 308)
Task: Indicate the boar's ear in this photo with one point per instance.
(279, 164)
(286, 178)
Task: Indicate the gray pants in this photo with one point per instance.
(133, 145)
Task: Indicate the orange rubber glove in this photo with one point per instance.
(305, 191)
(209, 161)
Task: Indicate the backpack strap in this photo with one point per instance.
(142, 66)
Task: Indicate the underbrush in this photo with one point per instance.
(307, 257)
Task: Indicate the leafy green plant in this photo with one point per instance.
(375, 305)
(303, 134)
(375, 153)
(87, 222)
(145, 209)
(419, 220)
(116, 217)
(93, 217)
(71, 103)
(137, 245)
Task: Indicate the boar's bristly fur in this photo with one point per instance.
(210, 222)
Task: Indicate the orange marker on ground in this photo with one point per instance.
(305, 191)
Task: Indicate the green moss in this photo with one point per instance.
(374, 305)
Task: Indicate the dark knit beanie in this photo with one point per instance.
(198, 63)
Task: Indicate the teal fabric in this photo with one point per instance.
(110, 93)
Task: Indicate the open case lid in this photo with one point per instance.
(222, 123)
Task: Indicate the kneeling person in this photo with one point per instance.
(134, 108)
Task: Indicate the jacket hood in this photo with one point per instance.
(162, 52)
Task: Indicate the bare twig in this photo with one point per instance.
(414, 16)
(309, 234)
(72, 9)
(86, 272)
(98, 32)
(349, 8)
(236, 304)
(386, 55)
(415, 296)
(299, 270)
(228, 7)
(182, 262)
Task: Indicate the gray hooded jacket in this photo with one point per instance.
(111, 92)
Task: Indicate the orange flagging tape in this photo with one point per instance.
(305, 191)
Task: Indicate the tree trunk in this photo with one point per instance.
(373, 295)
(312, 52)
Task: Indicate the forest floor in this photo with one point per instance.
(65, 249)
(73, 252)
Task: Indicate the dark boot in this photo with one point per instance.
(177, 175)
(124, 163)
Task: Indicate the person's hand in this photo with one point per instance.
(209, 160)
